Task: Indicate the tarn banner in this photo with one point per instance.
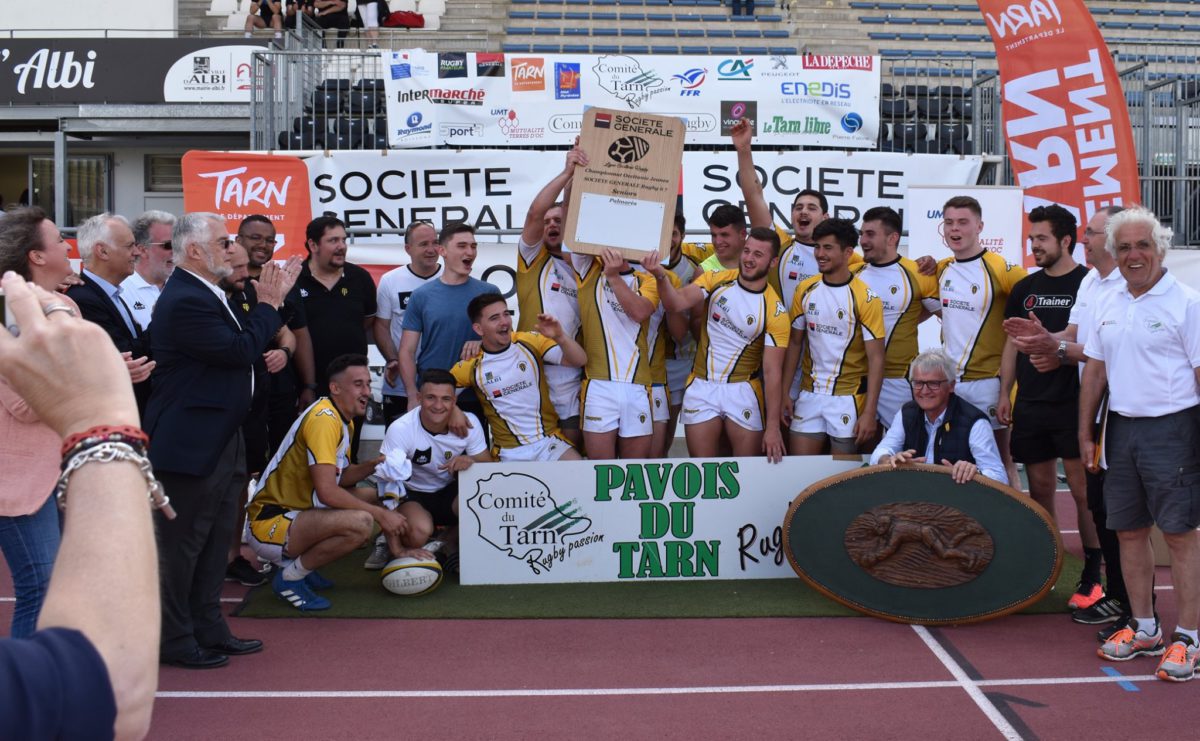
(529, 99)
(1065, 118)
(590, 521)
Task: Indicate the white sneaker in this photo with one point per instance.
(380, 555)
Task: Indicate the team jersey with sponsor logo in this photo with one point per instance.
(797, 263)
(512, 388)
(618, 349)
(837, 321)
(658, 337)
(546, 285)
(738, 325)
(320, 435)
(428, 452)
(973, 294)
(904, 291)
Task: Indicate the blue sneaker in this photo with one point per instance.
(315, 581)
(297, 594)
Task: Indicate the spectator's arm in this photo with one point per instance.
(407, 355)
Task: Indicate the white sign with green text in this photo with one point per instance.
(587, 521)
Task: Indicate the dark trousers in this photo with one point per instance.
(1110, 546)
(194, 549)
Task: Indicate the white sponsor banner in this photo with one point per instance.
(493, 189)
(590, 521)
(412, 121)
(217, 74)
(1003, 222)
(494, 99)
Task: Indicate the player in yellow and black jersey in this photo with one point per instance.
(837, 338)
(735, 383)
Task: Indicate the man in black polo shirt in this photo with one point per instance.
(339, 302)
(1045, 416)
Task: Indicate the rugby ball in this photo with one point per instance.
(409, 577)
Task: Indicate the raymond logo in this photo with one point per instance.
(1017, 16)
(237, 185)
(835, 61)
(528, 75)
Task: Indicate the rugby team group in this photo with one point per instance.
(763, 341)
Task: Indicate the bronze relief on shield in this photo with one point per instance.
(919, 544)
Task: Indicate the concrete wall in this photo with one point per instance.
(62, 17)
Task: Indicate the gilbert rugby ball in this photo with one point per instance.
(410, 577)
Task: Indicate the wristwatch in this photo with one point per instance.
(1062, 350)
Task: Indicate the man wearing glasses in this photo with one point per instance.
(151, 232)
(939, 427)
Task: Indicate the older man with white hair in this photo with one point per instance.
(202, 391)
(151, 232)
(1144, 347)
(940, 427)
(109, 254)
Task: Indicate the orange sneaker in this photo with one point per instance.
(1085, 596)
(1179, 663)
(1126, 644)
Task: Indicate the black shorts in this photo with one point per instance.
(1044, 431)
(438, 504)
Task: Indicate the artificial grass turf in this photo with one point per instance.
(359, 594)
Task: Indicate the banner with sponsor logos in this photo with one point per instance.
(1065, 117)
(591, 521)
(498, 99)
(167, 70)
(493, 189)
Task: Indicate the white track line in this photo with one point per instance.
(972, 689)
(640, 691)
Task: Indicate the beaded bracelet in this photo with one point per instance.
(110, 452)
(132, 436)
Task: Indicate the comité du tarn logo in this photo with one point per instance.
(518, 516)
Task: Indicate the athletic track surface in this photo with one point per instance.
(1024, 676)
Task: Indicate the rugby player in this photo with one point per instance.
(909, 297)
(739, 354)
(306, 511)
(974, 285)
(509, 375)
(837, 328)
(548, 284)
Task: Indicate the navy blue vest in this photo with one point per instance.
(953, 440)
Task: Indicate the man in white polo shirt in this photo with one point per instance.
(1143, 345)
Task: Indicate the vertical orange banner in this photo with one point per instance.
(237, 185)
(1065, 119)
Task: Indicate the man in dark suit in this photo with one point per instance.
(202, 392)
(109, 254)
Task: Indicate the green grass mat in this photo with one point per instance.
(358, 594)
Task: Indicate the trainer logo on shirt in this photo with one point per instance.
(1034, 301)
